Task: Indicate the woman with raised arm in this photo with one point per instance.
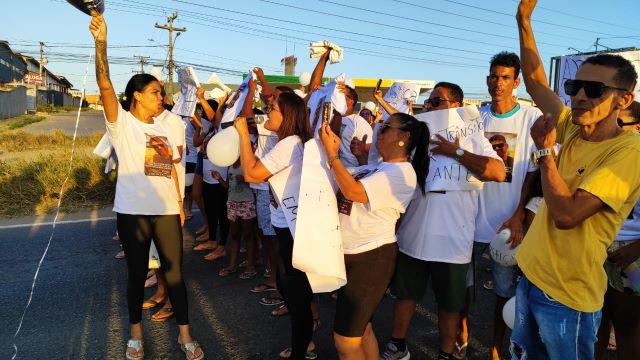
(289, 119)
(147, 202)
(370, 203)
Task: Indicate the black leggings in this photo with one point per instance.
(136, 232)
(296, 291)
(215, 205)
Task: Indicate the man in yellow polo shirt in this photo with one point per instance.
(589, 190)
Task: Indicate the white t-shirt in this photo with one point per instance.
(389, 187)
(177, 127)
(286, 152)
(352, 126)
(192, 157)
(145, 159)
(631, 227)
(498, 201)
(207, 167)
(440, 227)
(266, 141)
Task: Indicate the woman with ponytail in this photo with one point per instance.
(370, 202)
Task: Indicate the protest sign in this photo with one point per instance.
(185, 105)
(446, 173)
(398, 94)
(317, 249)
(326, 94)
(236, 101)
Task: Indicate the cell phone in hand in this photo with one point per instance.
(378, 84)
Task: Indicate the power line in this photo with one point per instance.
(565, 26)
(380, 24)
(502, 24)
(338, 30)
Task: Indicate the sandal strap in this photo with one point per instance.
(135, 344)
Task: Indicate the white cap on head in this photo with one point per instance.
(299, 93)
(305, 78)
(350, 83)
(369, 105)
(156, 71)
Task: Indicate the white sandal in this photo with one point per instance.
(190, 348)
(136, 345)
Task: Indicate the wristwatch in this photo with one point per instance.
(538, 154)
(331, 160)
(459, 153)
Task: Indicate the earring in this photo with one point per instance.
(401, 143)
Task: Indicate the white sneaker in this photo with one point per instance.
(392, 353)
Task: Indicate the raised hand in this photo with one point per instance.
(330, 141)
(357, 146)
(525, 9)
(98, 28)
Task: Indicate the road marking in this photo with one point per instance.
(17, 226)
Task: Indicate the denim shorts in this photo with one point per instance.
(505, 279)
(546, 329)
(263, 212)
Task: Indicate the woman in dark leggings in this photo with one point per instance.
(288, 118)
(147, 202)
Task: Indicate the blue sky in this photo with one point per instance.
(441, 40)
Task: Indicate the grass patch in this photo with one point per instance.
(33, 187)
(25, 120)
(20, 140)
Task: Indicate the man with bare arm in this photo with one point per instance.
(588, 192)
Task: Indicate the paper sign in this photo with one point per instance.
(235, 103)
(285, 186)
(446, 173)
(397, 97)
(185, 105)
(327, 93)
(317, 249)
(569, 66)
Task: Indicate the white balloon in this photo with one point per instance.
(188, 179)
(224, 147)
(305, 78)
(509, 312)
(501, 251)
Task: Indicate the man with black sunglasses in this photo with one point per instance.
(588, 192)
(435, 237)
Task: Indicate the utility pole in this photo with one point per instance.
(42, 45)
(143, 60)
(171, 29)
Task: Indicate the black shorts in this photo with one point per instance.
(190, 168)
(368, 276)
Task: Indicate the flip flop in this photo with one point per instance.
(460, 351)
(310, 355)
(120, 255)
(271, 300)
(163, 314)
(226, 272)
(281, 310)
(206, 246)
(248, 274)
(151, 303)
(244, 263)
(488, 285)
(262, 288)
(203, 237)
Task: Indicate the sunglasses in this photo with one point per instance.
(435, 102)
(593, 89)
(385, 126)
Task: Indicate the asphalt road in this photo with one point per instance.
(91, 122)
(78, 310)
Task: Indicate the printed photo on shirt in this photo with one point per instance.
(504, 144)
(157, 157)
(344, 204)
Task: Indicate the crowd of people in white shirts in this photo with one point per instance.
(398, 233)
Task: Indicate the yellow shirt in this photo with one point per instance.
(568, 264)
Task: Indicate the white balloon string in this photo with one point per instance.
(55, 219)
